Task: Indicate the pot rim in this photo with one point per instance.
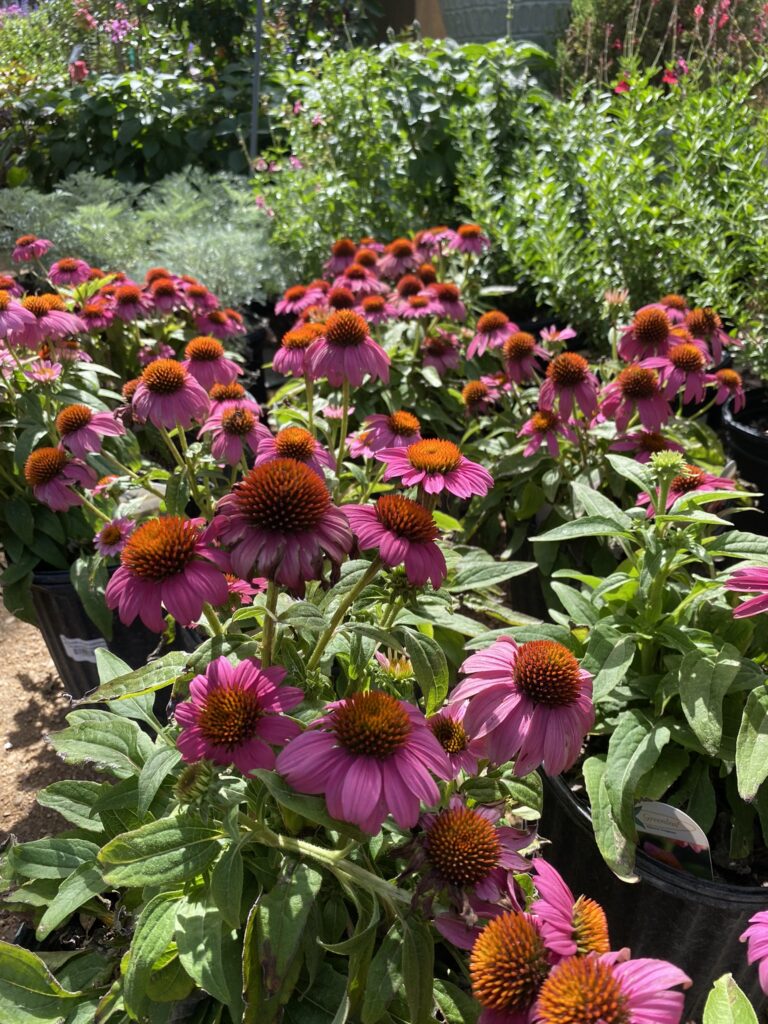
(730, 420)
(716, 893)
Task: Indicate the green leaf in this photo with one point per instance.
(84, 883)
(589, 526)
(88, 575)
(150, 677)
(579, 606)
(480, 575)
(727, 1004)
(208, 951)
(29, 993)
(618, 853)
(157, 768)
(609, 656)
(304, 616)
(177, 493)
(385, 979)
(51, 858)
(112, 743)
(169, 850)
(73, 800)
(740, 545)
(311, 807)
(703, 683)
(418, 967)
(20, 521)
(227, 884)
(752, 745)
(447, 523)
(631, 470)
(633, 750)
(153, 934)
(596, 503)
(455, 1005)
(366, 927)
(430, 666)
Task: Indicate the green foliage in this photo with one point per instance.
(727, 1004)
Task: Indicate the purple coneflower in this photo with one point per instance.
(520, 353)
(543, 427)
(166, 294)
(206, 362)
(643, 444)
(199, 299)
(649, 334)
(568, 926)
(69, 272)
(447, 301)
(675, 306)
(692, 480)
(531, 702)
(220, 323)
(51, 321)
(370, 755)
(398, 258)
(96, 314)
(347, 353)
(168, 395)
(376, 309)
(82, 429)
(705, 323)
(43, 372)
(753, 579)
(469, 238)
(147, 354)
(729, 385)
(756, 937)
(342, 254)
(245, 590)
(30, 247)
(360, 281)
(236, 715)
(404, 533)
(52, 474)
(359, 445)
(555, 335)
(508, 964)
(166, 563)
(233, 392)
(463, 750)
(492, 330)
(418, 307)
(395, 430)
(234, 426)
(683, 366)
(112, 537)
(130, 302)
(569, 382)
(295, 443)
(636, 389)
(295, 300)
(480, 396)
(441, 350)
(14, 317)
(436, 466)
(280, 522)
(292, 356)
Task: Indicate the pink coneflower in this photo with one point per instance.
(236, 715)
(409, 284)
(342, 254)
(166, 563)
(465, 849)
(684, 366)
(556, 336)
(234, 426)
(368, 257)
(335, 412)
(51, 321)
(729, 385)
(690, 481)
(398, 258)
(753, 579)
(8, 283)
(404, 533)
(68, 350)
(704, 323)
(147, 354)
(199, 299)
(295, 443)
(492, 330)
(336, 299)
(359, 445)
(245, 590)
(69, 272)
(281, 523)
(531, 702)
(636, 389)
(418, 307)
(376, 309)
(130, 302)
(30, 247)
(165, 294)
(469, 238)
(396, 430)
(232, 392)
(569, 381)
(82, 429)
(675, 306)
(616, 297)
(480, 396)
(427, 273)
(295, 300)
(96, 315)
(649, 334)
(291, 358)
(601, 989)
(371, 755)
(450, 731)
(448, 302)
(347, 353)
(508, 964)
(112, 537)
(520, 354)
(43, 372)
(168, 395)
(14, 317)
(436, 466)
(568, 926)
(206, 362)
(543, 428)
(441, 350)
(396, 666)
(429, 241)
(52, 474)
(756, 937)
(220, 323)
(643, 444)
(360, 281)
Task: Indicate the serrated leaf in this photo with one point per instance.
(73, 800)
(153, 676)
(596, 503)
(169, 850)
(227, 884)
(479, 575)
(633, 749)
(116, 744)
(589, 526)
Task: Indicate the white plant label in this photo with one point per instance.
(670, 822)
(81, 650)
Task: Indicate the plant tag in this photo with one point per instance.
(671, 836)
(81, 650)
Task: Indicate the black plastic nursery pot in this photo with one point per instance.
(746, 441)
(669, 914)
(72, 638)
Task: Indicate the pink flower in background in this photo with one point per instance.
(342, 254)
(30, 247)
(130, 302)
(669, 77)
(361, 281)
(705, 324)
(394, 430)
(291, 359)
(376, 309)
(684, 366)
(43, 372)
(52, 474)
(159, 350)
(649, 334)
(692, 480)
(78, 71)
(51, 321)
(756, 937)
(729, 385)
(480, 396)
(111, 538)
(753, 579)
(622, 86)
(13, 316)
(167, 395)
(199, 298)
(205, 361)
(82, 429)
(347, 352)
(636, 391)
(166, 294)
(543, 428)
(492, 330)
(244, 590)
(643, 444)
(441, 350)
(404, 533)
(234, 426)
(469, 238)
(555, 335)
(531, 702)
(370, 755)
(521, 356)
(569, 382)
(436, 466)
(97, 315)
(335, 412)
(220, 323)
(398, 258)
(295, 300)
(418, 307)
(447, 301)
(295, 443)
(69, 272)
(166, 563)
(569, 926)
(463, 749)
(698, 12)
(236, 715)
(359, 445)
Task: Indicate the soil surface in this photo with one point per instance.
(32, 704)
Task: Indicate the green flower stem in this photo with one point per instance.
(213, 620)
(344, 418)
(202, 495)
(13, 482)
(310, 402)
(96, 511)
(126, 471)
(392, 612)
(268, 634)
(341, 611)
